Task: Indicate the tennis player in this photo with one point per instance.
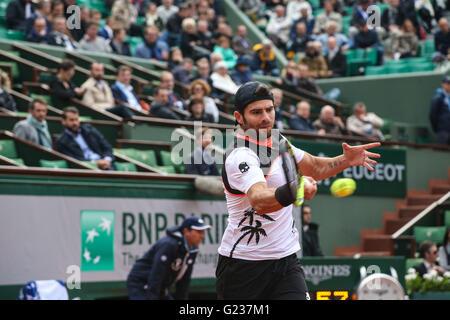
(257, 257)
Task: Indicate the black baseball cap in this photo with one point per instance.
(194, 223)
(446, 79)
(251, 92)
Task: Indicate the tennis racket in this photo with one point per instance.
(291, 172)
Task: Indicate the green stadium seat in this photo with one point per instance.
(376, 70)
(420, 67)
(15, 35)
(90, 164)
(401, 68)
(125, 166)
(42, 97)
(447, 218)
(8, 149)
(417, 60)
(57, 164)
(19, 161)
(167, 161)
(412, 262)
(45, 78)
(167, 169)
(346, 23)
(435, 234)
(314, 3)
(146, 156)
(14, 68)
(371, 55)
(128, 152)
(426, 48)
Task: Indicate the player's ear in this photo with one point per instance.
(238, 117)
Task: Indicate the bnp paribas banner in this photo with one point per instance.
(49, 237)
(387, 180)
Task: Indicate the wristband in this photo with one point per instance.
(284, 196)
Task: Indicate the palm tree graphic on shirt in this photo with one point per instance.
(254, 231)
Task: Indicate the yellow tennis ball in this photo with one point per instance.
(343, 187)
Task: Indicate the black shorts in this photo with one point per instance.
(282, 279)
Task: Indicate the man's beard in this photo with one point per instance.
(266, 134)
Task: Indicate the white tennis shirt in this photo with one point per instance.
(251, 236)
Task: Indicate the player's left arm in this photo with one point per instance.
(321, 168)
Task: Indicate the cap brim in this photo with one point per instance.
(204, 227)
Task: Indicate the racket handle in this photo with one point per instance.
(300, 192)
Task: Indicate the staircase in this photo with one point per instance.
(378, 242)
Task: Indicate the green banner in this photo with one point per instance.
(387, 180)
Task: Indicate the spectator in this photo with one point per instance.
(152, 275)
(205, 37)
(125, 14)
(39, 32)
(42, 10)
(168, 82)
(366, 38)
(5, 81)
(107, 31)
(279, 27)
(363, 123)
(152, 18)
(426, 13)
(310, 234)
(392, 17)
(203, 71)
(290, 74)
(444, 251)
(96, 16)
(315, 61)
(278, 103)
(329, 122)
(294, 7)
(197, 109)
(98, 94)
(442, 38)
(60, 36)
(252, 8)
(78, 33)
(306, 82)
(307, 19)
(166, 10)
(335, 59)
(123, 91)
(429, 252)
(297, 44)
(343, 42)
(17, 12)
(189, 38)
(6, 100)
(57, 9)
(214, 58)
(221, 80)
(240, 44)
(201, 89)
(242, 73)
(62, 88)
(404, 42)
(173, 29)
(83, 142)
(301, 121)
(359, 16)
(323, 18)
(264, 62)
(175, 58)
(440, 112)
(34, 128)
(228, 55)
(201, 161)
(160, 106)
(118, 43)
(92, 41)
(182, 72)
(152, 47)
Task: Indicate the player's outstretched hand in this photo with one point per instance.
(359, 156)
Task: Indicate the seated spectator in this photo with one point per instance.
(294, 7)
(201, 161)
(60, 36)
(6, 100)
(197, 109)
(96, 16)
(297, 44)
(77, 33)
(316, 63)
(123, 91)
(429, 253)
(335, 59)
(343, 42)
(290, 74)
(392, 17)
(39, 32)
(118, 44)
(200, 89)
(359, 17)
(214, 58)
(241, 72)
(57, 9)
(203, 71)
(307, 19)
(160, 106)
(252, 8)
(152, 47)
(440, 112)
(42, 10)
(366, 38)
(327, 15)
(444, 251)
(172, 32)
(264, 62)
(404, 42)
(182, 72)
(83, 142)
(205, 37)
(240, 43)
(278, 103)
(107, 31)
(62, 88)
(442, 38)
(167, 81)
(228, 55)
(189, 39)
(221, 80)
(329, 122)
(279, 27)
(301, 121)
(125, 13)
(363, 123)
(98, 94)
(92, 41)
(165, 11)
(175, 58)
(17, 12)
(152, 18)
(34, 128)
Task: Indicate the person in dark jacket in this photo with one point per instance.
(440, 112)
(366, 38)
(241, 73)
(310, 234)
(428, 251)
(169, 261)
(62, 88)
(335, 59)
(160, 105)
(118, 43)
(17, 13)
(83, 142)
(197, 109)
(201, 161)
(39, 33)
(301, 121)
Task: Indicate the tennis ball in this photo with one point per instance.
(343, 187)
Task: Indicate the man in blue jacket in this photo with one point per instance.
(170, 260)
(440, 112)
